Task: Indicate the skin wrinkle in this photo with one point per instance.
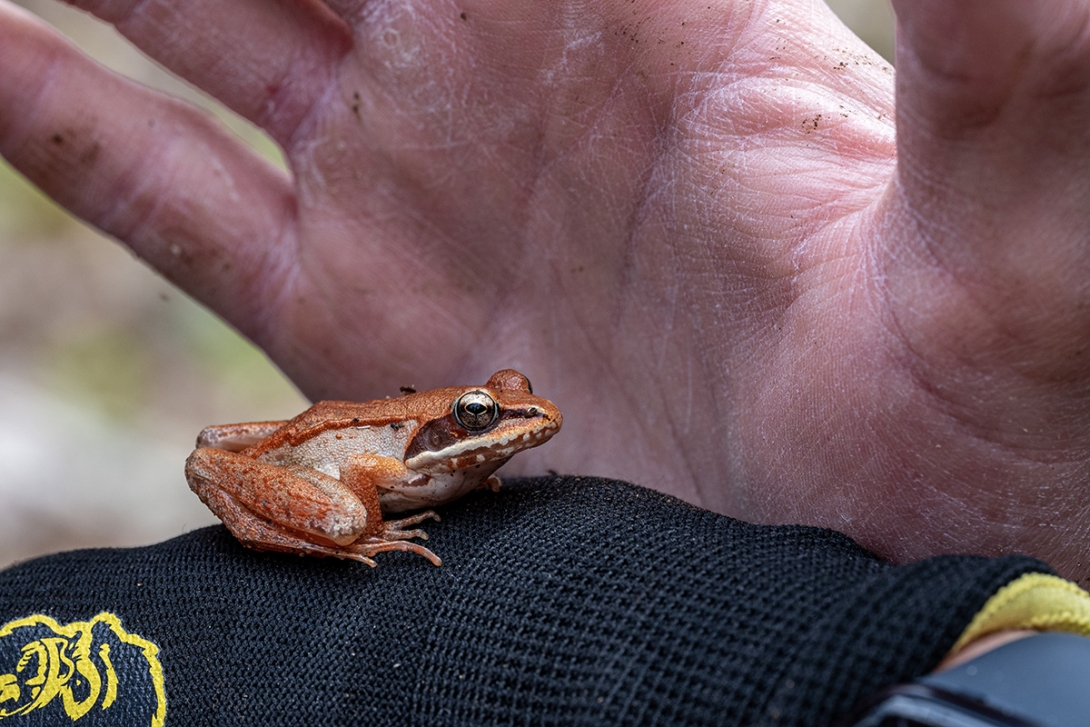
(350, 11)
(577, 38)
(777, 128)
(535, 188)
(273, 112)
(948, 401)
(667, 309)
(297, 151)
(130, 215)
(1015, 80)
(956, 77)
(716, 428)
(428, 233)
(1070, 83)
(141, 228)
(279, 281)
(975, 290)
(308, 119)
(629, 288)
(290, 131)
(450, 143)
(125, 217)
(394, 36)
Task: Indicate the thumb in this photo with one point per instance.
(994, 159)
(992, 96)
(961, 62)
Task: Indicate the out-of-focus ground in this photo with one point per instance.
(107, 372)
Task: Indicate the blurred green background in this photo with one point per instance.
(107, 372)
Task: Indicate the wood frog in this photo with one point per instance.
(320, 483)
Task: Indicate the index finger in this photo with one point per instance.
(153, 172)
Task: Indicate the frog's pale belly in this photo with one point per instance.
(435, 489)
(328, 450)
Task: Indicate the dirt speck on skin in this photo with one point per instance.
(809, 125)
(68, 148)
(356, 103)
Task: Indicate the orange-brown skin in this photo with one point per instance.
(319, 483)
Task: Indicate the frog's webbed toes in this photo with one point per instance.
(371, 546)
(393, 528)
(414, 519)
(404, 535)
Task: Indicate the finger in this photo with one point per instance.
(992, 207)
(151, 171)
(992, 95)
(268, 60)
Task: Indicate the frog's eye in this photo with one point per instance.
(476, 410)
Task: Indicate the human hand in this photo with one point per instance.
(684, 221)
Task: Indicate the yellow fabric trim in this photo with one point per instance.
(1034, 601)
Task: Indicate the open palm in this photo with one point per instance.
(690, 224)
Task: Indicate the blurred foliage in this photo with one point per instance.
(108, 368)
(232, 359)
(871, 20)
(25, 211)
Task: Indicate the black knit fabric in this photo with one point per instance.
(560, 601)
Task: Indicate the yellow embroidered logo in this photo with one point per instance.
(92, 671)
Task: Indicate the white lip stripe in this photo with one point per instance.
(424, 459)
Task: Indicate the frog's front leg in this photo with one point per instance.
(236, 437)
(291, 509)
(367, 474)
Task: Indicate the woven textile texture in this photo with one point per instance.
(560, 601)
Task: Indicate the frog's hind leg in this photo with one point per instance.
(300, 499)
(291, 509)
(257, 534)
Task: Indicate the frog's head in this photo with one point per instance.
(485, 425)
